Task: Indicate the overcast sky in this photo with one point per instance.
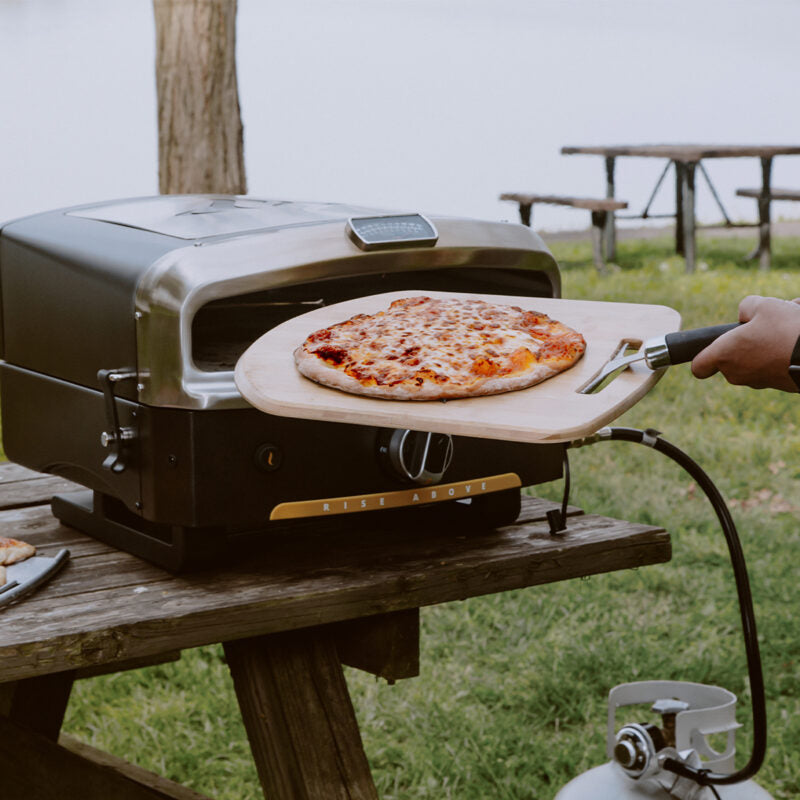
(432, 105)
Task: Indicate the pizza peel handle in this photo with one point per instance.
(683, 346)
(661, 351)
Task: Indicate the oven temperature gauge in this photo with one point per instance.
(391, 230)
(422, 458)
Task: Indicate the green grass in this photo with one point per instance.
(511, 700)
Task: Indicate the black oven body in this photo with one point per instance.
(176, 483)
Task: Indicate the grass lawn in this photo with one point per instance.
(511, 700)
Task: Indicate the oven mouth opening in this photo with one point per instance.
(224, 328)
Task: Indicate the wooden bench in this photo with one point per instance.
(598, 207)
(288, 617)
(764, 200)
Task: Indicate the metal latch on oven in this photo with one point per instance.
(115, 436)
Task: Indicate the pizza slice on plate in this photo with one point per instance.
(12, 550)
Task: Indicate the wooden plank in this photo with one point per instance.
(299, 582)
(113, 568)
(32, 766)
(685, 152)
(554, 410)
(299, 718)
(20, 487)
(124, 666)
(772, 194)
(33, 492)
(10, 472)
(386, 645)
(588, 203)
(37, 525)
(94, 573)
(165, 787)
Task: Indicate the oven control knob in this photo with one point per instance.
(420, 457)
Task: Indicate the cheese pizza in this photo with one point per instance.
(424, 348)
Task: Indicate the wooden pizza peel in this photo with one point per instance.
(551, 411)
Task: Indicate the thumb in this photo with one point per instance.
(704, 363)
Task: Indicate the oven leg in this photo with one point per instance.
(299, 717)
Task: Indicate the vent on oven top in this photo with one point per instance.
(201, 216)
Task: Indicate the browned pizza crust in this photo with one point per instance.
(422, 348)
(12, 551)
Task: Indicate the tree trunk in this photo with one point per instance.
(200, 142)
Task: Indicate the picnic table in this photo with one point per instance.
(288, 617)
(686, 159)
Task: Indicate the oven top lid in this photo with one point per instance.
(208, 215)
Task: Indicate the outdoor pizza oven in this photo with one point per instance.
(121, 326)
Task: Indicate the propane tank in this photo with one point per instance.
(690, 713)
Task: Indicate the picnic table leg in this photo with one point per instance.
(299, 717)
(680, 172)
(38, 704)
(764, 247)
(599, 220)
(689, 234)
(610, 223)
(525, 213)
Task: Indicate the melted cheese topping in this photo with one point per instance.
(448, 343)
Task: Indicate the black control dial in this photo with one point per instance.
(416, 456)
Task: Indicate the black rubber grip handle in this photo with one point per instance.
(683, 346)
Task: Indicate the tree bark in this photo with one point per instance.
(200, 135)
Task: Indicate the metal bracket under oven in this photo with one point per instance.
(115, 436)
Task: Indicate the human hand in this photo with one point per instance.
(758, 353)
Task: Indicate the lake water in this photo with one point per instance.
(430, 105)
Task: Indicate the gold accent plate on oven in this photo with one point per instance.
(401, 498)
(551, 411)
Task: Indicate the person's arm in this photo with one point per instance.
(758, 353)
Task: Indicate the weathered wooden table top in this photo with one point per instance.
(686, 152)
(107, 606)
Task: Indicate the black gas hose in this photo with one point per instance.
(706, 777)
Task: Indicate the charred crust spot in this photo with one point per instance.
(334, 355)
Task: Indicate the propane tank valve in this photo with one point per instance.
(636, 750)
(627, 754)
(640, 752)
